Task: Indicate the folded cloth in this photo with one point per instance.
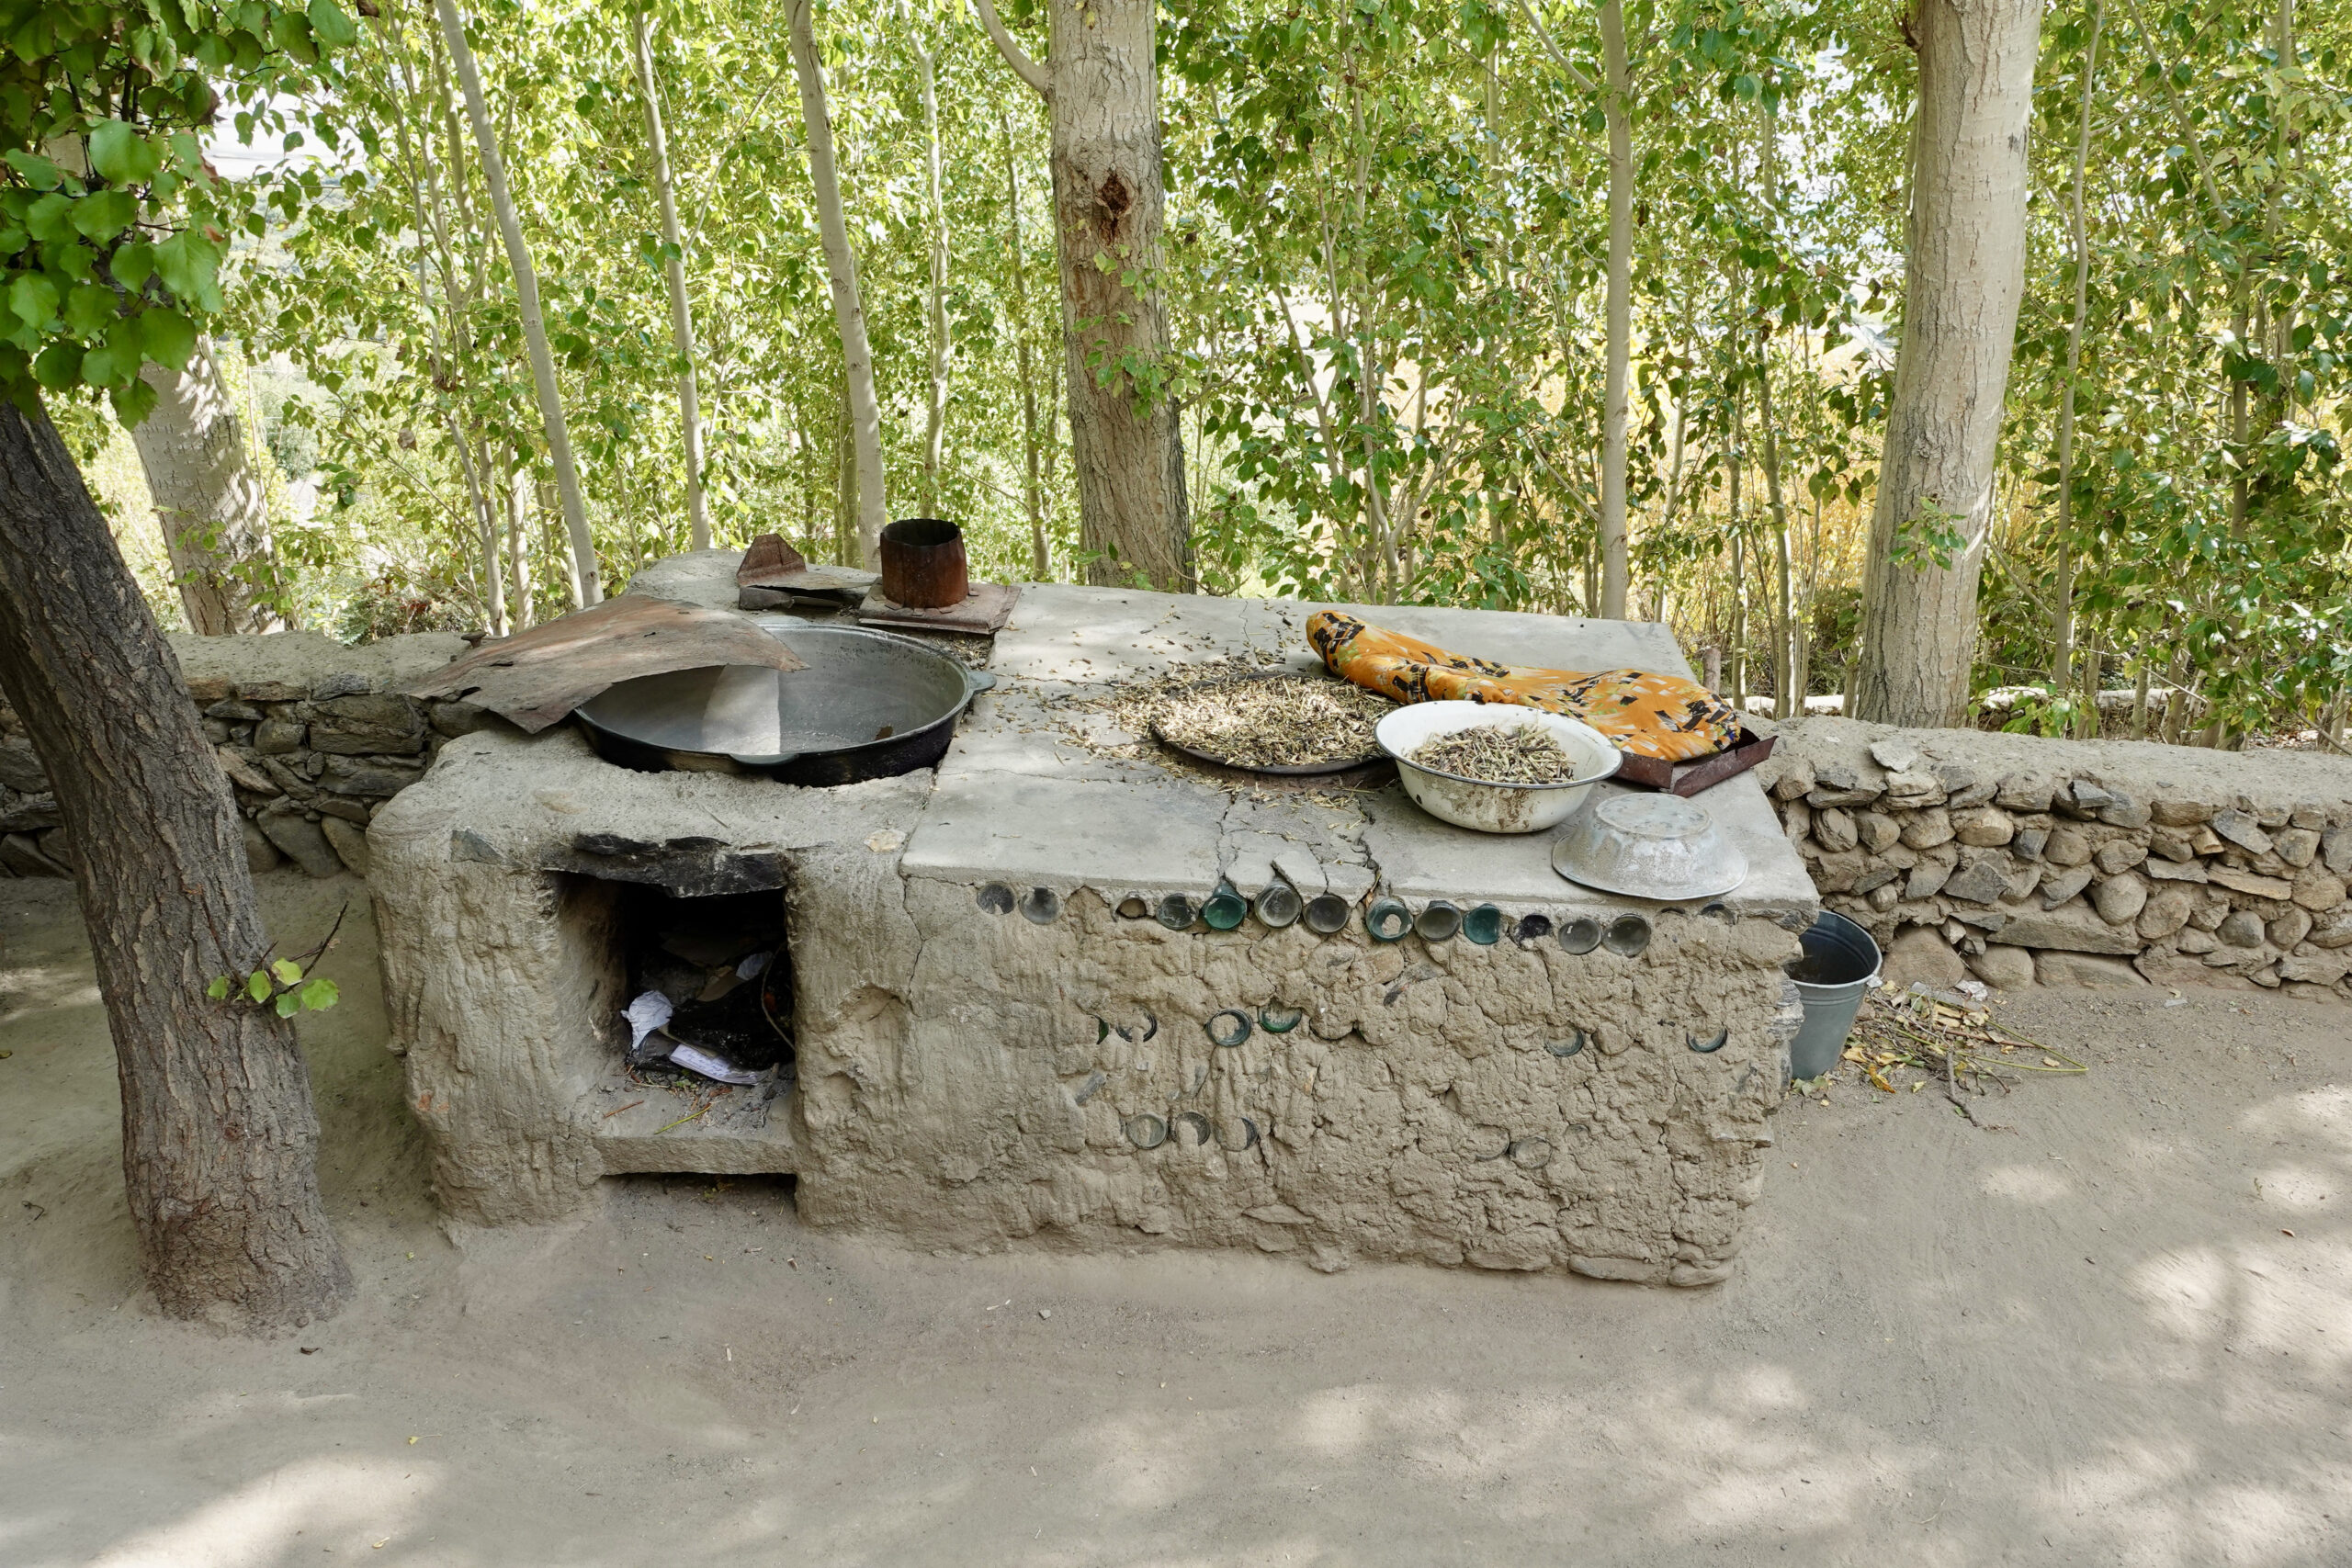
(1664, 716)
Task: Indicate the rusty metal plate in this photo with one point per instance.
(535, 677)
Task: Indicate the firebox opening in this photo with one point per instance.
(722, 972)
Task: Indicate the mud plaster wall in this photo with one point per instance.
(970, 1078)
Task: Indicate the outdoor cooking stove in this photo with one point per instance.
(997, 1037)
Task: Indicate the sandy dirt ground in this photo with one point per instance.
(2116, 1331)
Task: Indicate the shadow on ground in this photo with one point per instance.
(2116, 1331)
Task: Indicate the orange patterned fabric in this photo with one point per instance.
(1650, 715)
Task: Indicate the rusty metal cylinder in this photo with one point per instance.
(923, 564)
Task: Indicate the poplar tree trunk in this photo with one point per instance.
(2062, 592)
(935, 302)
(841, 273)
(682, 323)
(1041, 564)
(219, 1137)
(210, 499)
(1616, 569)
(1963, 271)
(526, 294)
(1101, 84)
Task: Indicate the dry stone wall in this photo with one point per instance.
(2023, 861)
(309, 735)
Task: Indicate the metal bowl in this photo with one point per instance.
(869, 705)
(1648, 846)
(1474, 802)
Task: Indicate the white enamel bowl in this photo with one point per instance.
(1474, 802)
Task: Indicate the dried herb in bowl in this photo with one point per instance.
(1287, 721)
(1514, 754)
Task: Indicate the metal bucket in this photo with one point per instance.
(1836, 967)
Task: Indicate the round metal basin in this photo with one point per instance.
(869, 705)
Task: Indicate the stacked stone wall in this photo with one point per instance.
(2021, 860)
(311, 738)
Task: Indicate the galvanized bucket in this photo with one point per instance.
(1838, 963)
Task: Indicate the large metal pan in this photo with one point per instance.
(870, 705)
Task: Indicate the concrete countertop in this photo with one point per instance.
(1027, 795)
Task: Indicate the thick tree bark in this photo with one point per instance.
(1963, 271)
(210, 500)
(526, 294)
(682, 323)
(841, 272)
(1616, 567)
(219, 1136)
(1102, 87)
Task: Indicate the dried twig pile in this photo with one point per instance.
(1948, 1037)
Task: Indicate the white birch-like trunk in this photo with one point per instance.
(1963, 271)
(210, 499)
(518, 542)
(1616, 569)
(682, 323)
(841, 273)
(935, 303)
(527, 293)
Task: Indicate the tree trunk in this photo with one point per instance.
(494, 575)
(1734, 459)
(1616, 573)
(841, 272)
(1965, 269)
(934, 434)
(518, 541)
(1101, 90)
(1032, 497)
(682, 323)
(1785, 702)
(2061, 590)
(219, 1137)
(526, 294)
(210, 501)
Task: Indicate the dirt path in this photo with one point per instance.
(2088, 1339)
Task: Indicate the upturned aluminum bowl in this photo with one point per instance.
(1474, 802)
(1648, 846)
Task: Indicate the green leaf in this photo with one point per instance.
(59, 368)
(334, 29)
(219, 989)
(133, 265)
(120, 154)
(286, 1004)
(287, 971)
(187, 264)
(89, 308)
(257, 985)
(134, 401)
(320, 995)
(33, 298)
(35, 170)
(106, 365)
(169, 338)
(51, 218)
(104, 214)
